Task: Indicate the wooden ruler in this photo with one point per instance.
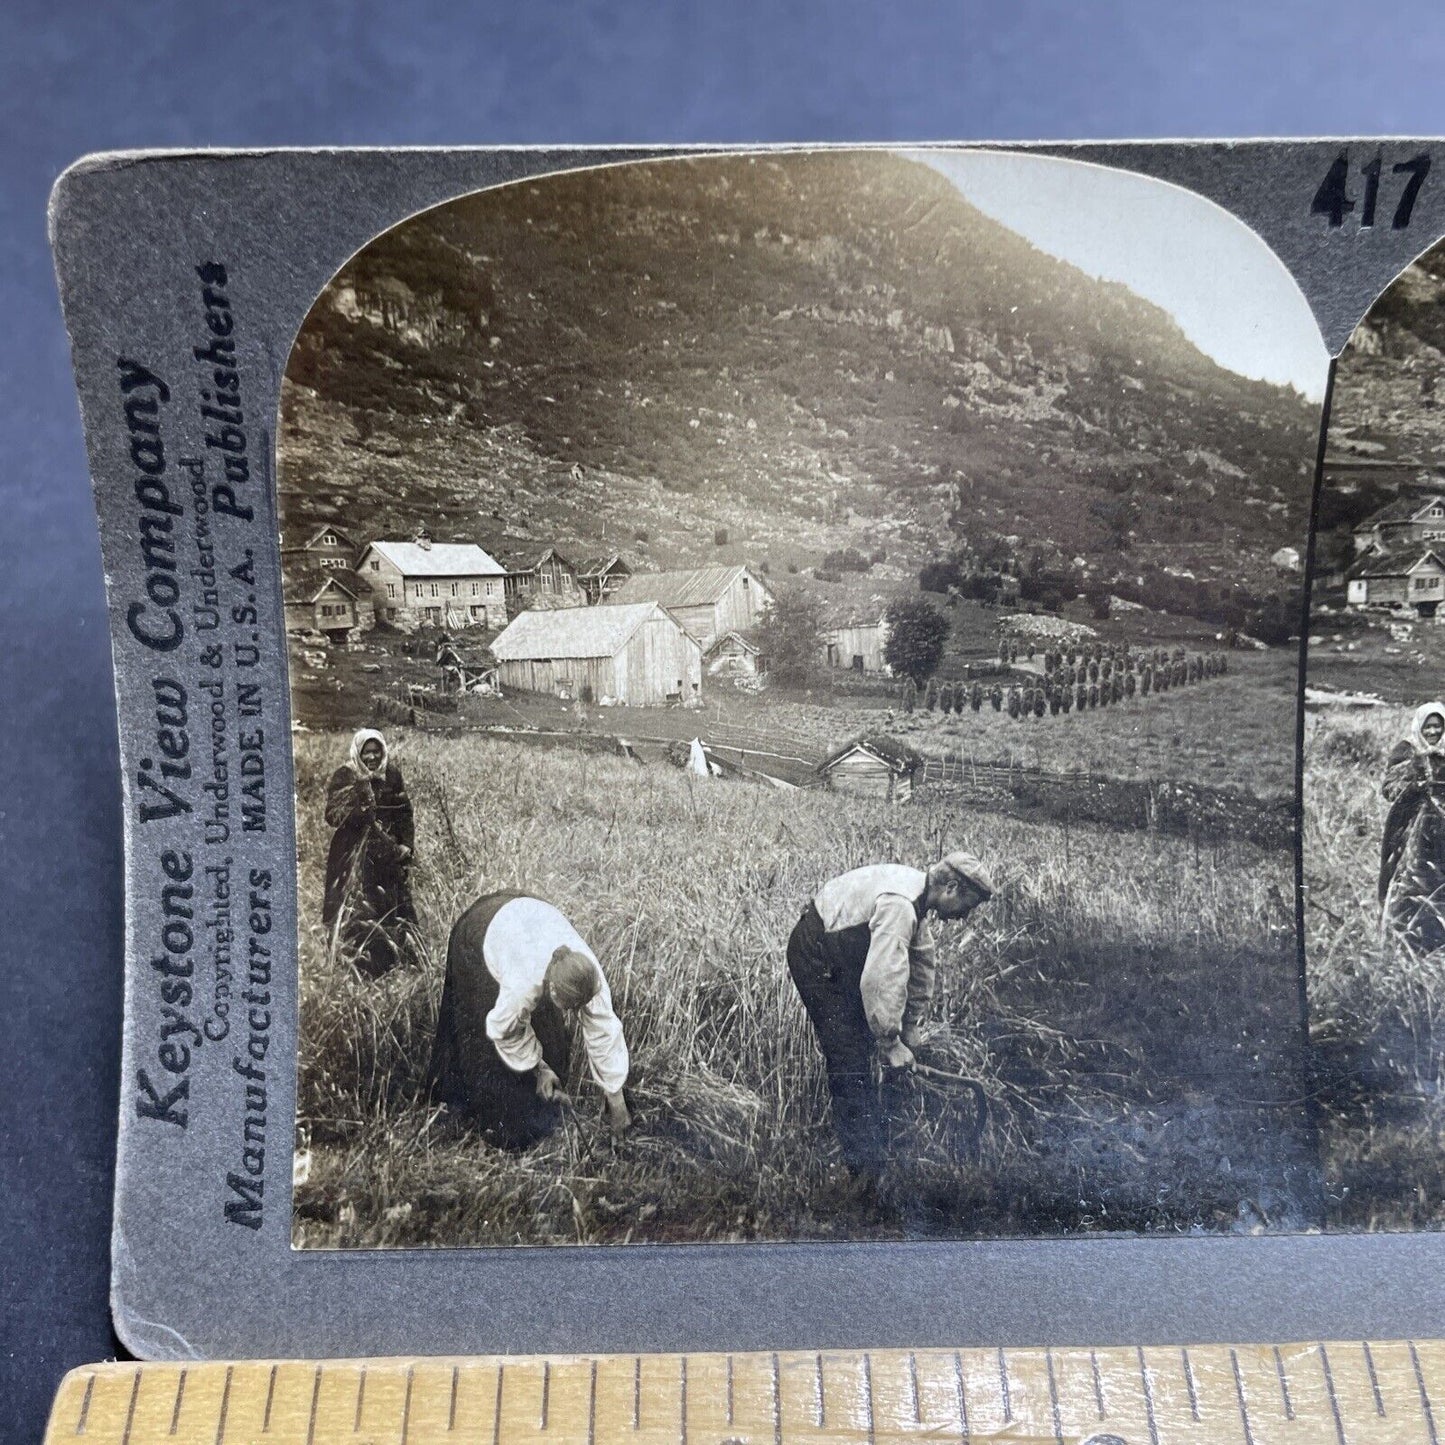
(1335, 1394)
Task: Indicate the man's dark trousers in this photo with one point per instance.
(827, 969)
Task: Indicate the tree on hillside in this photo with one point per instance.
(790, 636)
(917, 631)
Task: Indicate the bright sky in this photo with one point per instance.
(1227, 290)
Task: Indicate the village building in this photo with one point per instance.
(445, 584)
(855, 640)
(600, 577)
(327, 547)
(1413, 580)
(707, 601)
(1404, 523)
(548, 580)
(636, 654)
(730, 655)
(334, 601)
(875, 766)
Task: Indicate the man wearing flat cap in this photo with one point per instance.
(862, 959)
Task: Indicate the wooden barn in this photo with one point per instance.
(447, 584)
(636, 655)
(875, 766)
(1413, 579)
(334, 601)
(855, 641)
(708, 601)
(730, 655)
(327, 546)
(547, 580)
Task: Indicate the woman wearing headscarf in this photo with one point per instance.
(1412, 856)
(368, 885)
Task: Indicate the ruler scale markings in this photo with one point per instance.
(315, 1396)
(1098, 1385)
(1283, 1384)
(1243, 1403)
(135, 1394)
(85, 1405)
(1189, 1382)
(964, 1436)
(270, 1395)
(1374, 1379)
(777, 1404)
(225, 1406)
(132, 1407)
(1425, 1407)
(1329, 1375)
(176, 1408)
(1054, 1398)
(1148, 1398)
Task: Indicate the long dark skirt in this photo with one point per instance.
(1412, 875)
(467, 1074)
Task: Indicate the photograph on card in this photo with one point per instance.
(1374, 767)
(794, 671)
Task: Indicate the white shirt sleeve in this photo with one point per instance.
(887, 971)
(606, 1045)
(509, 1026)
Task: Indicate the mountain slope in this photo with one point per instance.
(808, 352)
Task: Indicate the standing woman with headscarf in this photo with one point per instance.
(368, 884)
(1412, 856)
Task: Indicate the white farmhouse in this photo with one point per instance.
(447, 584)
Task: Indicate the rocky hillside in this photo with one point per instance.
(1386, 403)
(797, 353)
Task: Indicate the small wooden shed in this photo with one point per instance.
(731, 655)
(874, 766)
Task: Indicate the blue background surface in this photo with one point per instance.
(77, 77)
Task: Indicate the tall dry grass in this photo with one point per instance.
(1377, 1010)
(1110, 966)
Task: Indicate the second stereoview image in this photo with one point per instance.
(794, 665)
(1374, 767)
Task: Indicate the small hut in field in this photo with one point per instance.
(874, 766)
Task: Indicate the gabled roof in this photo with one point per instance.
(440, 559)
(1399, 564)
(316, 536)
(849, 614)
(730, 636)
(304, 583)
(892, 752)
(1402, 509)
(696, 587)
(597, 566)
(574, 632)
(519, 563)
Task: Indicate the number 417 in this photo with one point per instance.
(1332, 198)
